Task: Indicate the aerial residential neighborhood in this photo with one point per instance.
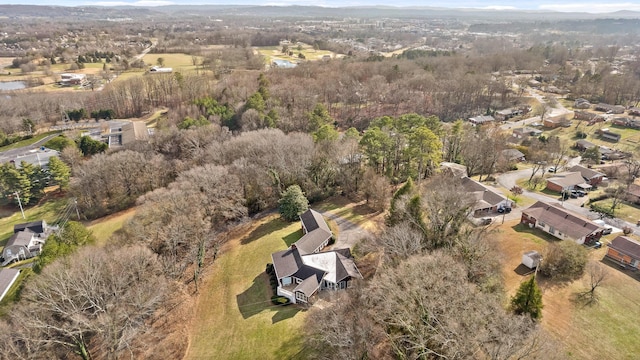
(264, 181)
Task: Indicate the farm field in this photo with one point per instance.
(570, 322)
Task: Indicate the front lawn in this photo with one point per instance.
(234, 317)
(606, 330)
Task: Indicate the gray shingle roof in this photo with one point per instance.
(484, 195)
(309, 285)
(586, 172)
(286, 262)
(567, 179)
(318, 232)
(7, 277)
(626, 246)
(313, 220)
(566, 222)
(22, 238)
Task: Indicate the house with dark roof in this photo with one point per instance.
(317, 233)
(26, 242)
(561, 223)
(625, 251)
(591, 176)
(583, 145)
(512, 155)
(568, 181)
(609, 135)
(487, 199)
(303, 269)
(7, 278)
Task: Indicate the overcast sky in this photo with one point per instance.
(593, 6)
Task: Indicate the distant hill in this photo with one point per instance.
(66, 12)
(130, 12)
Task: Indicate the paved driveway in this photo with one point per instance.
(349, 232)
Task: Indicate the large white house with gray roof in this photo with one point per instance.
(303, 269)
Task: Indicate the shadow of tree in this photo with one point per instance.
(256, 298)
(284, 312)
(293, 237)
(264, 229)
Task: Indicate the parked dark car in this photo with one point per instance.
(607, 230)
(504, 209)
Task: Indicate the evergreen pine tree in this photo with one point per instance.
(528, 299)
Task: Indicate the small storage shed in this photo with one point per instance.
(531, 259)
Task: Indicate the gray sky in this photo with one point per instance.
(592, 6)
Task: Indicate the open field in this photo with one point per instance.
(569, 321)
(234, 317)
(104, 227)
(179, 62)
(275, 52)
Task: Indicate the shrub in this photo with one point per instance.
(565, 260)
(269, 269)
(279, 300)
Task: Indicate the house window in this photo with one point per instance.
(286, 281)
(300, 296)
(541, 224)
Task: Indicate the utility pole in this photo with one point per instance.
(20, 203)
(75, 201)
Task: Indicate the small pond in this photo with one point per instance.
(12, 85)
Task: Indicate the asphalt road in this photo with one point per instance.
(14, 153)
(508, 180)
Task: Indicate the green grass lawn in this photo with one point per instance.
(176, 61)
(105, 227)
(48, 210)
(625, 211)
(235, 318)
(27, 142)
(630, 137)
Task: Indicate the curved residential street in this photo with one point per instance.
(14, 153)
(508, 180)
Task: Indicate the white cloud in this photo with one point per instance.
(135, 3)
(591, 8)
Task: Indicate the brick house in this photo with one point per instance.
(625, 251)
(568, 181)
(561, 223)
(591, 176)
